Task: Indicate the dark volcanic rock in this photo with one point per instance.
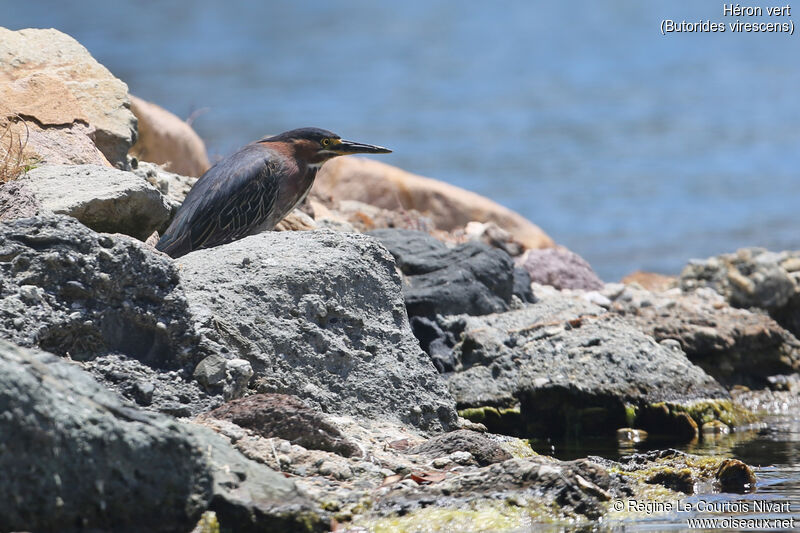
(484, 450)
(436, 342)
(319, 315)
(286, 417)
(752, 277)
(569, 365)
(736, 346)
(167, 391)
(74, 458)
(72, 291)
(17, 201)
(560, 268)
(472, 278)
(579, 487)
(683, 472)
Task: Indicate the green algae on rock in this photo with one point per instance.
(682, 419)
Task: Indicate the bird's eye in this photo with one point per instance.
(326, 142)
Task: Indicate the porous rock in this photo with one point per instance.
(17, 201)
(567, 364)
(52, 82)
(752, 277)
(560, 268)
(472, 278)
(736, 346)
(483, 449)
(69, 290)
(319, 315)
(289, 418)
(76, 458)
(574, 487)
(105, 199)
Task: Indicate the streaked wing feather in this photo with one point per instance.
(225, 204)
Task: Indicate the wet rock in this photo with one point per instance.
(75, 457)
(319, 315)
(752, 277)
(659, 419)
(559, 268)
(67, 98)
(102, 198)
(167, 140)
(286, 417)
(448, 206)
(472, 278)
(735, 476)
(570, 367)
(481, 448)
(683, 472)
(736, 346)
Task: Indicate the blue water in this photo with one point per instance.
(636, 150)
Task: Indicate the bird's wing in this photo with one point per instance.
(225, 204)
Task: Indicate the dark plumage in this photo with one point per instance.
(253, 189)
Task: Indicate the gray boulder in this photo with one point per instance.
(472, 278)
(174, 186)
(107, 301)
(736, 346)
(71, 291)
(319, 315)
(559, 268)
(75, 458)
(752, 277)
(104, 199)
(569, 366)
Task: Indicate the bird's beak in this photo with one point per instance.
(349, 147)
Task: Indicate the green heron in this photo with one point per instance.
(253, 189)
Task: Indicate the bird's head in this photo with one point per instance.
(315, 146)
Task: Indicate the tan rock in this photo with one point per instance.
(650, 280)
(296, 221)
(450, 207)
(66, 97)
(167, 140)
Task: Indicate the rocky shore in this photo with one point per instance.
(379, 364)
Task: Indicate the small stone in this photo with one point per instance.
(630, 435)
(29, 293)
(735, 476)
(210, 372)
(715, 427)
(441, 462)
(143, 393)
(461, 457)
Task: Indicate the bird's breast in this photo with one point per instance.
(292, 190)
